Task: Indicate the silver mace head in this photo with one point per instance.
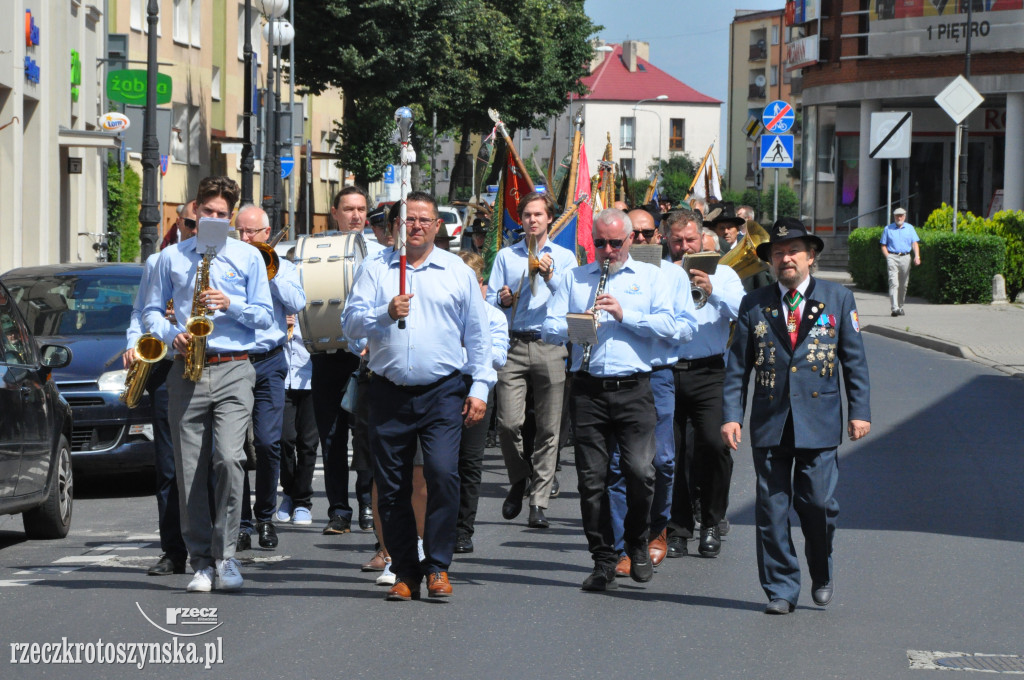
(403, 119)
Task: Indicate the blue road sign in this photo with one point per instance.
(778, 117)
(389, 174)
(287, 165)
(776, 151)
(164, 158)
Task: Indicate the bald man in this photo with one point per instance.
(644, 229)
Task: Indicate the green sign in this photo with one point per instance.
(129, 86)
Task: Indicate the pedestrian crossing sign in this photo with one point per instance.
(776, 151)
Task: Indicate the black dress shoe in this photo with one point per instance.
(463, 544)
(537, 519)
(677, 546)
(166, 566)
(337, 525)
(778, 607)
(710, 543)
(513, 504)
(244, 541)
(366, 518)
(600, 580)
(822, 593)
(555, 488)
(641, 569)
(268, 535)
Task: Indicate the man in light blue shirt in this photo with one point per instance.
(218, 406)
(522, 292)
(899, 241)
(271, 367)
(612, 401)
(424, 388)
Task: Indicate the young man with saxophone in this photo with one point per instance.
(271, 366)
(214, 403)
(612, 402)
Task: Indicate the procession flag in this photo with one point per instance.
(708, 181)
(575, 232)
(505, 227)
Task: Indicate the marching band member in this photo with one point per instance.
(298, 433)
(271, 366)
(218, 406)
(612, 402)
(523, 296)
(423, 390)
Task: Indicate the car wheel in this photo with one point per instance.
(52, 518)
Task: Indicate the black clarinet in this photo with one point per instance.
(585, 364)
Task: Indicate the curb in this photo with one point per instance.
(943, 346)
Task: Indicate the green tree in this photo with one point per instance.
(123, 199)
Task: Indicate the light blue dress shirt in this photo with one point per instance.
(899, 239)
(289, 298)
(499, 337)
(237, 271)
(300, 368)
(135, 325)
(647, 314)
(446, 314)
(509, 266)
(675, 280)
(715, 317)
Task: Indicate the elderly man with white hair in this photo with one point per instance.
(612, 402)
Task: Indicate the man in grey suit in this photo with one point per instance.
(797, 335)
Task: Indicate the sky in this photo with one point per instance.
(689, 38)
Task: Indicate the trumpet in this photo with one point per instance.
(700, 298)
(149, 349)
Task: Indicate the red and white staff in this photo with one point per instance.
(407, 156)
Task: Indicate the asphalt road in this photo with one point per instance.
(927, 556)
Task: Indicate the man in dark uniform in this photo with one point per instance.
(797, 335)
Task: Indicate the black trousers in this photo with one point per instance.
(708, 467)
(605, 420)
(471, 467)
(298, 447)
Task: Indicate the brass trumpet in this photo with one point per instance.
(149, 349)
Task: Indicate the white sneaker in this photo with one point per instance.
(387, 577)
(228, 575)
(419, 549)
(202, 581)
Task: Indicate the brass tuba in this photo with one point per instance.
(149, 349)
(743, 258)
(199, 325)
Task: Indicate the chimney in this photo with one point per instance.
(629, 49)
(599, 56)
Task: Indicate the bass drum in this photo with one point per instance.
(327, 268)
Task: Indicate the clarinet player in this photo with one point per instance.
(215, 407)
(611, 400)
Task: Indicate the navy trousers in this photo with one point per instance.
(267, 421)
(168, 513)
(804, 479)
(399, 418)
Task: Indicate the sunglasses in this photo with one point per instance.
(615, 243)
(648, 233)
(191, 224)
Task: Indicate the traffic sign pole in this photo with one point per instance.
(775, 209)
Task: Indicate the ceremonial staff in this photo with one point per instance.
(403, 118)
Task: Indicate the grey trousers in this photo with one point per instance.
(898, 268)
(217, 408)
(543, 365)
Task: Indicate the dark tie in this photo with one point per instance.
(793, 299)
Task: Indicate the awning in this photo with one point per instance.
(94, 139)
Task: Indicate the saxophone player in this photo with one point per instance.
(215, 407)
(612, 402)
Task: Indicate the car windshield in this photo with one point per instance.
(75, 304)
(449, 217)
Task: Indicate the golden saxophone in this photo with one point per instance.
(199, 325)
(149, 349)
(585, 363)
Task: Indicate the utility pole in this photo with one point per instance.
(270, 135)
(963, 141)
(149, 215)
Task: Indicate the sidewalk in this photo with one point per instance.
(992, 335)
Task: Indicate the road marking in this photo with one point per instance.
(83, 559)
(121, 546)
(48, 570)
(1009, 664)
(18, 582)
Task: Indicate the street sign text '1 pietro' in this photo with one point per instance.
(778, 117)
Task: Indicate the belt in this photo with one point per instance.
(415, 389)
(220, 357)
(525, 336)
(892, 253)
(256, 358)
(611, 384)
(713, 361)
(655, 369)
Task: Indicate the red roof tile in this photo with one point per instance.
(612, 81)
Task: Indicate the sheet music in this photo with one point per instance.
(705, 262)
(649, 253)
(211, 232)
(582, 328)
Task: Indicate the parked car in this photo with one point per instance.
(36, 479)
(453, 221)
(87, 307)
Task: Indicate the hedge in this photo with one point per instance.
(955, 268)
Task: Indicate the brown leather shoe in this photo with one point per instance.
(438, 585)
(622, 568)
(377, 563)
(403, 592)
(658, 547)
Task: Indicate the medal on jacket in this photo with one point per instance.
(793, 300)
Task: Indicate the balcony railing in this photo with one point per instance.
(755, 92)
(758, 52)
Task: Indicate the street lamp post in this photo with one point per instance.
(273, 32)
(248, 162)
(660, 97)
(149, 215)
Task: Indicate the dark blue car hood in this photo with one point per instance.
(92, 355)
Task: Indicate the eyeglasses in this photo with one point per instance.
(615, 243)
(422, 221)
(252, 232)
(648, 233)
(191, 224)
